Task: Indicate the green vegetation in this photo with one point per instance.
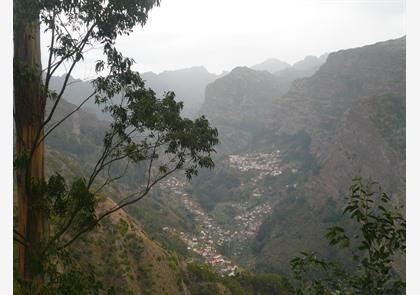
(242, 283)
(377, 239)
(216, 186)
(388, 114)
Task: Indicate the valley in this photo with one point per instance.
(223, 236)
(288, 150)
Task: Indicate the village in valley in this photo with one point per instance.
(212, 236)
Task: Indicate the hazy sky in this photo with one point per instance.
(223, 34)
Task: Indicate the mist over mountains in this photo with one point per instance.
(189, 84)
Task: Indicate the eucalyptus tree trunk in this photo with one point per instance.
(29, 115)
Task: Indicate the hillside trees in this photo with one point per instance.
(377, 240)
(145, 131)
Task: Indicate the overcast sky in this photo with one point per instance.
(223, 34)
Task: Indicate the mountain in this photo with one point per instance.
(271, 65)
(353, 111)
(188, 84)
(239, 103)
(302, 69)
(76, 91)
(344, 119)
(310, 62)
(356, 86)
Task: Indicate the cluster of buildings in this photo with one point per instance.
(266, 164)
(251, 219)
(204, 246)
(211, 236)
(173, 184)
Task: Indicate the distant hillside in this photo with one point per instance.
(302, 69)
(77, 91)
(271, 65)
(239, 103)
(188, 85)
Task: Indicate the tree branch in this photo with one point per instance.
(141, 196)
(64, 118)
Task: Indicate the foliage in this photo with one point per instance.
(75, 279)
(378, 240)
(201, 273)
(264, 284)
(242, 282)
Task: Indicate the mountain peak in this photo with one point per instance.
(309, 61)
(271, 65)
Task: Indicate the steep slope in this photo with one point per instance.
(353, 109)
(125, 258)
(238, 105)
(342, 105)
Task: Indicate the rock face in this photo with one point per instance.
(352, 111)
(345, 107)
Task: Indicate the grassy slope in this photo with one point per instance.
(125, 258)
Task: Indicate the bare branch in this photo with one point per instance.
(64, 118)
(100, 164)
(79, 48)
(109, 180)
